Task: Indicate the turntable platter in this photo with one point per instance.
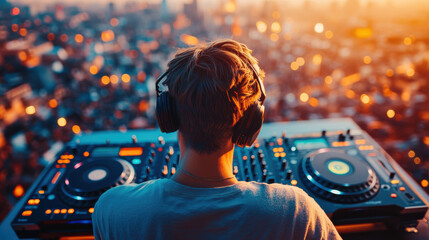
(338, 177)
(86, 181)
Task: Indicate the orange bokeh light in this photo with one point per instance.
(114, 22)
(105, 80)
(78, 38)
(15, 11)
(125, 78)
(23, 32)
(365, 98)
(189, 39)
(18, 191)
(93, 69)
(107, 36)
(53, 103)
(76, 129)
(114, 79)
(15, 27)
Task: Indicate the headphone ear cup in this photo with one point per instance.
(166, 113)
(246, 130)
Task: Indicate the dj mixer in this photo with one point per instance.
(350, 176)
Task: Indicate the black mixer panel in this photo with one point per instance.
(347, 173)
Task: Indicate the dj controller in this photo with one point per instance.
(348, 174)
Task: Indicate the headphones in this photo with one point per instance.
(245, 131)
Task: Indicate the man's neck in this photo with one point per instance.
(206, 170)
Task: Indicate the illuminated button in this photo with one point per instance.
(366, 147)
(338, 167)
(27, 213)
(136, 161)
(71, 211)
(66, 161)
(56, 211)
(165, 170)
(91, 210)
(293, 182)
(86, 154)
(36, 201)
(30, 202)
(393, 195)
(282, 154)
(340, 144)
(173, 170)
(60, 161)
(41, 192)
(63, 211)
(402, 189)
(276, 154)
(131, 151)
(55, 178)
(48, 211)
(394, 181)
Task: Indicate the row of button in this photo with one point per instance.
(64, 211)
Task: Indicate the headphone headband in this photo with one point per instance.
(255, 74)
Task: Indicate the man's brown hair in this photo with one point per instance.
(212, 86)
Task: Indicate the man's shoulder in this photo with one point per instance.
(274, 189)
(123, 192)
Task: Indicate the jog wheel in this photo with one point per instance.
(83, 185)
(338, 177)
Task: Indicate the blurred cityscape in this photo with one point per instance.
(68, 69)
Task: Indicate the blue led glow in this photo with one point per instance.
(80, 222)
(136, 161)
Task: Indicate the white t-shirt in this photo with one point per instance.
(165, 209)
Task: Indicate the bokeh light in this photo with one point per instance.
(61, 122)
(390, 113)
(304, 97)
(78, 38)
(18, 191)
(125, 78)
(30, 110)
(114, 79)
(105, 80)
(367, 59)
(365, 98)
(318, 28)
(275, 27)
(261, 26)
(53, 103)
(76, 129)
